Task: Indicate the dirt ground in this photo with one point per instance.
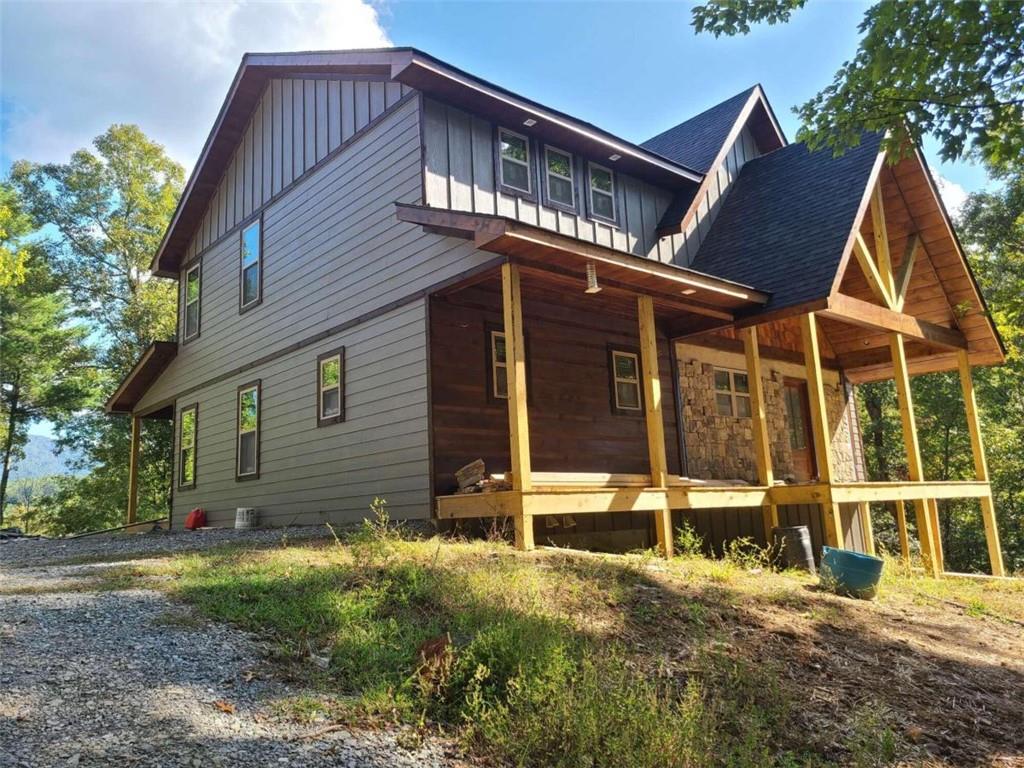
(946, 668)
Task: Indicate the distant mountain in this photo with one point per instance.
(43, 460)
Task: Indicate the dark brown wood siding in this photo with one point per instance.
(572, 425)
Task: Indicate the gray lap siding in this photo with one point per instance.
(310, 474)
(338, 270)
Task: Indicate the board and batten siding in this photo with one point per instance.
(686, 244)
(333, 252)
(459, 169)
(311, 474)
(295, 125)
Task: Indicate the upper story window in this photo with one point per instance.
(330, 388)
(514, 165)
(188, 424)
(251, 266)
(601, 185)
(560, 188)
(732, 393)
(247, 465)
(193, 287)
(625, 381)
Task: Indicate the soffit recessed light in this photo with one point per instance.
(613, 158)
(529, 122)
(689, 291)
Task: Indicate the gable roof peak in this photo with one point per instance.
(699, 141)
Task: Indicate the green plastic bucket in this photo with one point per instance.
(850, 573)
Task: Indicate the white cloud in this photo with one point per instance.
(70, 69)
(953, 195)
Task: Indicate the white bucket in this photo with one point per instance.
(245, 518)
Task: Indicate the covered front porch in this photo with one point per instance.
(848, 333)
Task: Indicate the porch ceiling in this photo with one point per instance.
(941, 292)
(677, 292)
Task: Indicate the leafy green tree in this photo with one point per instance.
(948, 68)
(992, 223)
(15, 224)
(109, 209)
(46, 372)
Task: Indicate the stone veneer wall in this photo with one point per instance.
(721, 447)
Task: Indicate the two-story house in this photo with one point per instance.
(389, 268)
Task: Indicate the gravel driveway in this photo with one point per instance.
(128, 678)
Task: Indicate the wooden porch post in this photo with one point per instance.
(933, 516)
(518, 423)
(988, 512)
(901, 526)
(652, 414)
(906, 403)
(867, 529)
(758, 412)
(819, 426)
(133, 470)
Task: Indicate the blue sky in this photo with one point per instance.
(68, 70)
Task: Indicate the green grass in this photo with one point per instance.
(563, 658)
(539, 670)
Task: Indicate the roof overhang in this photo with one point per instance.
(146, 370)
(436, 78)
(941, 311)
(688, 290)
(410, 67)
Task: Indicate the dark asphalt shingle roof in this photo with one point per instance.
(786, 219)
(696, 142)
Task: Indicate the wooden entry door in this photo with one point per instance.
(798, 419)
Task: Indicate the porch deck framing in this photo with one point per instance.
(574, 500)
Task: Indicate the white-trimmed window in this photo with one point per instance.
(499, 365)
(248, 463)
(514, 165)
(193, 289)
(330, 387)
(625, 381)
(188, 425)
(558, 177)
(732, 393)
(250, 277)
(601, 185)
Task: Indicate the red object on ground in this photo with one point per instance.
(195, 519)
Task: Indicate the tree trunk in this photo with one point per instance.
(12, 421)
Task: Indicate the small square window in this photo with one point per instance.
(723, 404)
(514, 154)
(732, 393)
(626, 381)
